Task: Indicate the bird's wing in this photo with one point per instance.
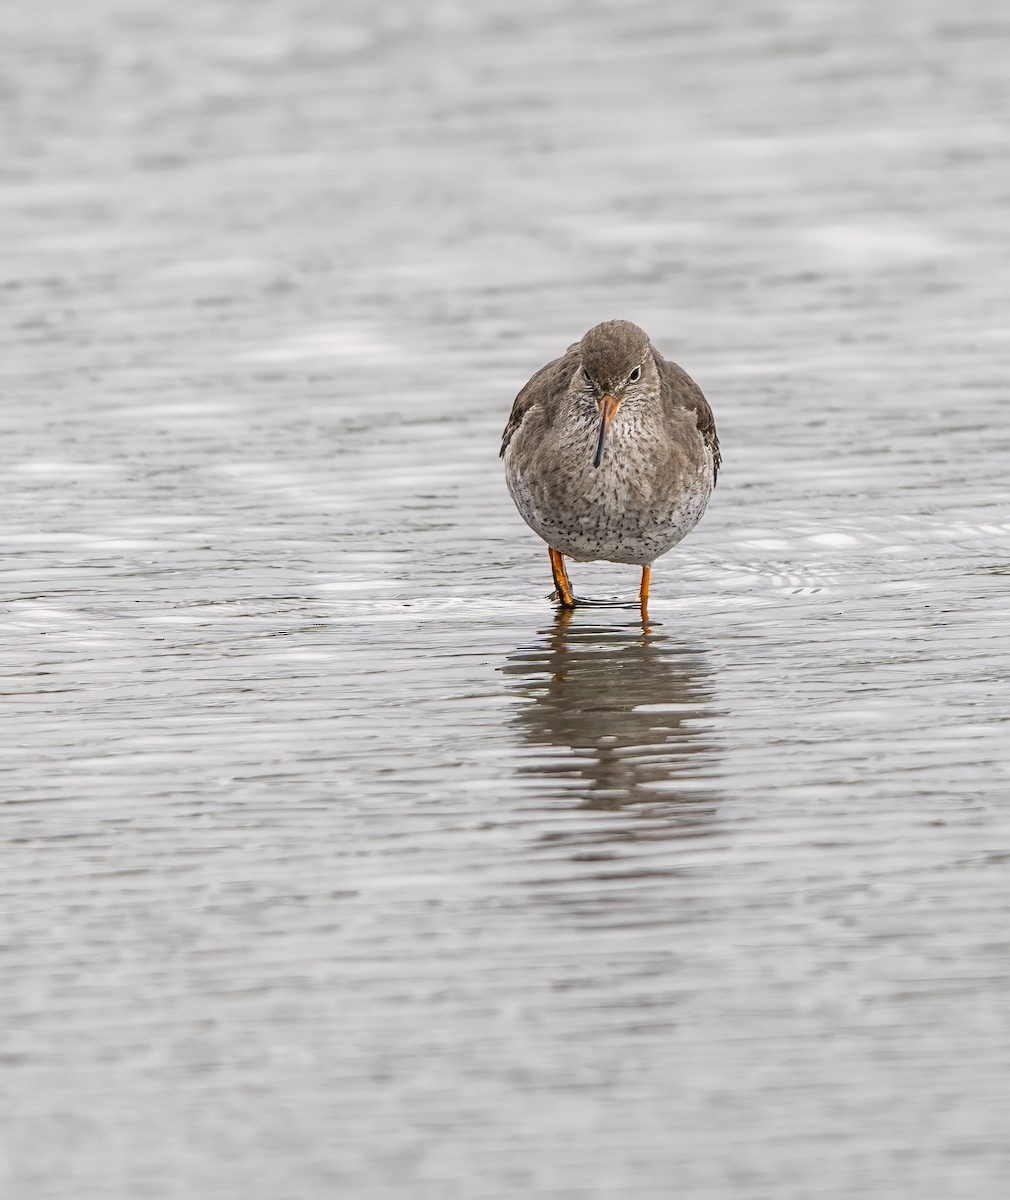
(680, 391)
(544, 385)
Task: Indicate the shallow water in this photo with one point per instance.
(334, 862)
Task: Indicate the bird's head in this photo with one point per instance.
(616, 364)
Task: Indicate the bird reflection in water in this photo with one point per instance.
(618, 716)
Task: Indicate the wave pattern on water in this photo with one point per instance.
(334, 862)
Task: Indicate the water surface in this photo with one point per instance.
(334, 862)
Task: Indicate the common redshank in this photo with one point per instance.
(610, 453)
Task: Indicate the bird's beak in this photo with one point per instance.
(608, 409)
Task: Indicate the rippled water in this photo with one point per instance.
(336, 864)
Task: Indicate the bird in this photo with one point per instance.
(611, 454)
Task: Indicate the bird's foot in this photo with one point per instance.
(594, 601)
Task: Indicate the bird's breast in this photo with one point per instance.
(650, 489)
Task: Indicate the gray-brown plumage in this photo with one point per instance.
(610, 453)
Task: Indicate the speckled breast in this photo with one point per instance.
(645, 496)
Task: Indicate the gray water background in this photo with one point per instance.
(333, 864)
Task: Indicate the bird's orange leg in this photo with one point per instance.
(561, 580)
(643, 594)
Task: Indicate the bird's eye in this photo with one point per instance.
(635, 375)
